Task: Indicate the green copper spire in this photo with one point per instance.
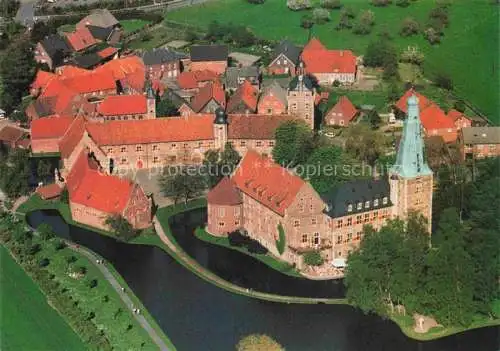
(410, 160)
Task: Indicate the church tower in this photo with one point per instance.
(410, 178)
(220, 129)
(301, 94)
(151, 101)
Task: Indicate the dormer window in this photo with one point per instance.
(349, 208)
(367, 204)
(360, 206)
(375, 202)
(384, 200)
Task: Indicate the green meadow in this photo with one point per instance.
(468, 52)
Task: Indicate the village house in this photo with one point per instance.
(261, 198)
(244, 100)
(47, 132)
(211, 57)
(13, 137)
(52, 50)
(192, 81)
(285, 59)
(208, 99)
(81, 39)
(342, 113)
(235, 76)
(273, 100)
(301, 98)
(102, 25)
(163, 62)
(479, 142)
(125, 107)
(329, 66)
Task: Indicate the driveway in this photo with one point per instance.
(26, 13)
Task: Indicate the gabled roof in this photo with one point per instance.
(93, 82)
(91, 188)
(172, 129)
(402, 103)
(211, 91)
(224, 193)
(50, 127)
(72, 137)
(100, 33)
(301, 82)
(209, 53)
(54, 43)
(107, 52)
(123, 105)
(481, 135)
(260, 127)
(42, 78)
(87, 61)
(354, 192)
(344, 110)
(99, 18)
(234, 73)
(267, 182)
(80, 39)
(318, 59)
(246, 94)
(275, 89)
(161, 55)
(11, 134)
(49, 191)
(70, 71)
(288, 49)
(190, 79)
(433, 117)
(455, 115)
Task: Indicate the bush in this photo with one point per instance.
(92, 283)
(257, 2)
(34, 249)
(59, 245)
(297, 5)
(81, 270)
(321, 16)
(306, 21)
(459, 105)
(381, 3)
(253, 246)
(44, 262)
(65, 196)
(313, 258)
(365, 23)
(281, 242)
(409, 27)
(443, 81)
(330, 4)
(412, 55)
(403, 3)
(71, 259)
(432, 36)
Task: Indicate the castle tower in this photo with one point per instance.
(220, 129)
(301, 94)
(151, 101)
(410, 178)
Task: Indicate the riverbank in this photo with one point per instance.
(267, 259)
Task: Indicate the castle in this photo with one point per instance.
(261, 197)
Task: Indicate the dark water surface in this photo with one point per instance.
(197, 315)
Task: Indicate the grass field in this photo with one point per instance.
(132, 25)
(27, 321)
(468, 52)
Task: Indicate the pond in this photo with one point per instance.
(197, 315)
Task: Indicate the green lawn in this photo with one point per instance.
(468, 50)
(27, 321)
(132, 25)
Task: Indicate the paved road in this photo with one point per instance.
(26, 13)
(124, 296)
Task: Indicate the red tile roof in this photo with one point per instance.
(224, 193)
(69, 71)
(107, 52)
(318, 59)
(402, 103)
(172, 129)
(89, 83)
(190, 80)
(11, 134)
(80, 39)
(455, 115)
(267, 182)
(92, 188)
(344, 110)
(42, 78)
(321, 97)
(50, 191)
(122, 67)
(50, 127)
(432, 117)
(72, 137)
(212, 90)
(261, 127)
(246, 94)
(123, 105)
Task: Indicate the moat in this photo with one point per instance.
(197, 315)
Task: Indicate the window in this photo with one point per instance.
(358, 236)
(173, 146)
(221, 224)
(349, 237)
(271, 143)
(237, 211)
(313, 221)
(375, 215)
(360, 206)
(339, 224)
(236, 222)
(384, 200)
(110, 150)
(418, 202)
(243, 143)
(349, 208)
(200, 144)
(269, 111)
(186, 145)
(296, 223)
(367, 217)
(138, 148)
(349, 221)
(339, 239)
(304, 238)
(123, 160)
(316, 239)
(123, 149)
(358, 219)
(367, 204)
(311, 207)
(418, 188)
(375, 202)
(155, 159)
(341, 122)
(155, 147)
(258, 143)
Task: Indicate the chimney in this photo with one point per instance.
(341, 53)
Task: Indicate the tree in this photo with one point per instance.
(380, 3)
(45, 231)
(40, 30)
(442, 80)
(229, 159)
(409, 27)
(256, 2)
(65, 196)
(413, 55)
(182, 185)
(331, 4)
(345, 20)
(449, 285)
(120, 227)
(321, 16)
(211, 164)
(258, 342)
(379, 54)
(459, 105)
(313, 258)
(215, 31)
(374, 118)
(43, 170)
(165, 107)
(403, 3)
(363, 143)
(432, 35)
(242, 36)
(306, 21)
(14, 173)
(365, 23)
(9, 8)
(281, 242)
(294, 142)
(297, 5)
(17, 70)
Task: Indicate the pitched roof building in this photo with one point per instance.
(244, 100)
(285, 59)
(342, 113)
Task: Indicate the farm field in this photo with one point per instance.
(132, 25)
(465, 52)
(27, 321)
